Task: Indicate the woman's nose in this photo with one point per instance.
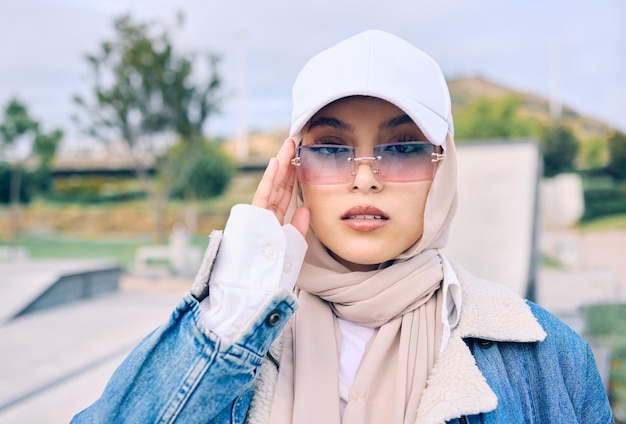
(365, 173)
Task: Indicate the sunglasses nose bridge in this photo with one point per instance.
(355, 162)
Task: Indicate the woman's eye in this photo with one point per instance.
(329, 149)
(403, 148)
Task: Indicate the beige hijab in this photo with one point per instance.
(401, 301)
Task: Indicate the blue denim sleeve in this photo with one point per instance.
(555, 380)
(183, 372)
(572, 356)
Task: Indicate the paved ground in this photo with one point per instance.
(165, 285)
(595, 269)
(604, 250)
(60, 359)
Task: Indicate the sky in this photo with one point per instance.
(569, 50)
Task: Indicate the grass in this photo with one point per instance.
(614, 222)
(121, 252)
(114, 231)
(549, 262)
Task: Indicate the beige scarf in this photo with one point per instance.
(402, 301)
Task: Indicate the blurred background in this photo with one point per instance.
(128, 129)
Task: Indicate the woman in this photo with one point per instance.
(387, 330)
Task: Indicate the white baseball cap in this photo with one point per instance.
(377, 64)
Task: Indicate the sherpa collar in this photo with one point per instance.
(456, 386)
(489, 311)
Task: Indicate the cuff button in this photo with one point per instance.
(287, 266)
(270, 253)
(273, 319)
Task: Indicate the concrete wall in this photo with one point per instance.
(72, 287)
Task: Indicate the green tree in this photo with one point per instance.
(148, 95)
(45, 147)
(7, 177)
(21, 139)
(593, 153)
(16, 133)
(487, 118)
(17, 123)
(617, 155)
(559, 147)
(204, 168)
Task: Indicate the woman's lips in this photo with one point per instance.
(364, 218)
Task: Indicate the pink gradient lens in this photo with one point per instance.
(396, 162)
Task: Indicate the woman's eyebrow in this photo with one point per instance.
(330, 122)
(395, 122)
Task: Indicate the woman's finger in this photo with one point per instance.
(300, 220)
(276, 185)
(285, 176)
(283, 157)
(282, 198)
(261, 197)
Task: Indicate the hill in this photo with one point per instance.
(462, 92)
(465, 90)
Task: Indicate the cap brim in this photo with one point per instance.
(432, 125)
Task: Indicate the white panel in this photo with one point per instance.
(493, 232)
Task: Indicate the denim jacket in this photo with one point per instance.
(508, 361)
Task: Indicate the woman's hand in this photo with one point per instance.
(276, 186)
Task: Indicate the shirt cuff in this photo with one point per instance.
(256, 258)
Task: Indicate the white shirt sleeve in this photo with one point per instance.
(256, 258)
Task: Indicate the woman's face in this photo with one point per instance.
(364, 222)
